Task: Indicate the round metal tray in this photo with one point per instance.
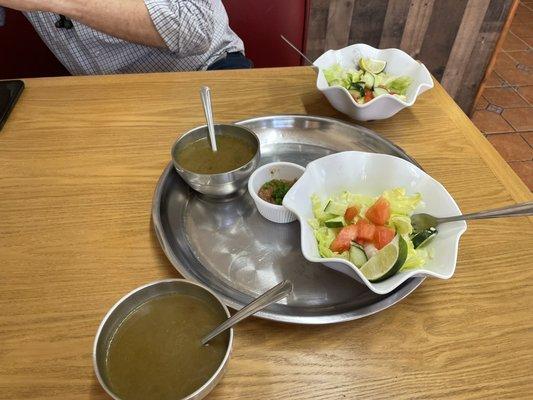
(230, 248)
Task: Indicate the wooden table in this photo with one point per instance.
(79, 161)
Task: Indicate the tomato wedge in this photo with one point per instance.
(379, 212)
(365, 231)
(344, 238)
(383, 235)
(368, 95)
(350, 214)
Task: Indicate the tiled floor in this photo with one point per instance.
(504, 112)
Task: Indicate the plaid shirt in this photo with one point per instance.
(196, 33)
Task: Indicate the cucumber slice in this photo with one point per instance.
(421, 239)
(359, 86)
(357, 255)
(326, 216)
(335, 208)
(337, 222)
(355, 94)
(380, 91)
(368, 79)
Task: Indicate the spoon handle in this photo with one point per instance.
(296, 49)
(205, 95)
(516, 210)
(278, 292)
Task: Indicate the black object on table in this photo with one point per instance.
(9, 93)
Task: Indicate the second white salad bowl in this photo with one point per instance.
(385, 106)
(371, 174)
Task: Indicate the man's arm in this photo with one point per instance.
(183, 26)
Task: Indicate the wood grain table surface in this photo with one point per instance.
(79, 161)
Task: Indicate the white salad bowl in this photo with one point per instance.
(372, 174)
(385, 106)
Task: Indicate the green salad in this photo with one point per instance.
(374, 233)
(369, 81)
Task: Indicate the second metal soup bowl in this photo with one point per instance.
(225, 183)
(129, 303)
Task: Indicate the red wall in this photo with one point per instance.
(258, 22)
(22, 53)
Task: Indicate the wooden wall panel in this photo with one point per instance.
(394, 23)
(368, 20)
(317, 28)
(480, 57)
(445, 21)
(455, 39)
(464, 44)
(339, 22)
(499, 43)
(416, 26)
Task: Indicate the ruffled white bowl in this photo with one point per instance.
(398, 63)
(371, 174)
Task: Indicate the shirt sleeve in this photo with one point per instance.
(186, 26)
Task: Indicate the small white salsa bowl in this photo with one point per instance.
(371, 174)
(275, 170)
(385, 106)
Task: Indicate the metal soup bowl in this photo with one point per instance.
(225, 183)
(127, 304)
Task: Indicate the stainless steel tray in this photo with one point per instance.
(229, 247)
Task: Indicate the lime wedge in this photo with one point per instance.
(387, 261)
(372, 65)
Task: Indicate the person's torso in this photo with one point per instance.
(85, 51)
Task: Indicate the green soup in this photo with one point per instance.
(156, 352)
(231, 154)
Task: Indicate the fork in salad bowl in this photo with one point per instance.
(423, 222)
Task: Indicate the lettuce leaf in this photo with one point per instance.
(354, 75)
(337, 76)
(415, 258)
(401, 203)
(314, 223)
(355, 199)
(318, 209)
(395, 84)
(401, 223)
